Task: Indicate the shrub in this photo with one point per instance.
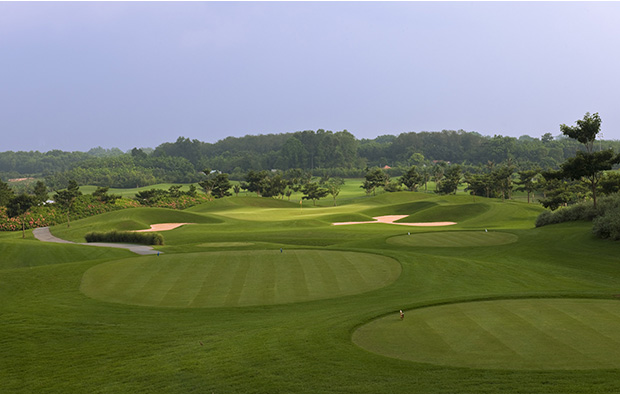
(607, 226)
(114, 236)
(605, 217)
(583, 211)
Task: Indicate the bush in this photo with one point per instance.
(114, 236)
(607, 226)
(605, 217)
(583, 211)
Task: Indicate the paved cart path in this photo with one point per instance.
(44, 234)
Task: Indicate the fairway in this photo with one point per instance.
(245, 278)
(223, 310)
(454, 239)
(527, 334)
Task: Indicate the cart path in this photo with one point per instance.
(44, 234)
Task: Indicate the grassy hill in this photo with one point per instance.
(267, 296)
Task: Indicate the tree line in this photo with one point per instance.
(337, 153)
(582, 177)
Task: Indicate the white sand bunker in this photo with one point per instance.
(389, 219)
(162, 227)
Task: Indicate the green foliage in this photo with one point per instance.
(6, 193)
(101, 194)
(145, 238)
(18, 206)
(375, 178)
(313, 191)
(607, 225)
(450, 182)
(411, 179)
(40, 192)
(527, 182)
(605, 216)
(333, 186)
(610, 183)
(590, 167)
(586, 130)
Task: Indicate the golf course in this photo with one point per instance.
(264, 295)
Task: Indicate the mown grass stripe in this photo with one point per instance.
(238, 283)
(240, 278)
(506, 334)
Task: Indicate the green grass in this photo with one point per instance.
(526, 334)
(454, 239)
(245, 278)
(259, 335)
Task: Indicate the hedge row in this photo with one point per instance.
(114, 236)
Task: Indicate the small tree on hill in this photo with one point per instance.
(312, 191)
(221, 186)
(450, 182)
(412, 179)
(101, 194)
(334, 185)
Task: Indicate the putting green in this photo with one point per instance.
(238, 278)
(454, 239)
(526, 334)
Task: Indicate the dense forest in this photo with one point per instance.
(319, 152)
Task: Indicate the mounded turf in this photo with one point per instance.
(454, 239)
(245, 278)
(55, 339)
(526, 334)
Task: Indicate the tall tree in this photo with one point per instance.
(18, 206)
(588, 166)
(6, 193)
(40, 193)
(527, 181)
(65, 198)
(502, 180)
(586, 130)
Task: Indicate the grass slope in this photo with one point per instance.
(55, 338)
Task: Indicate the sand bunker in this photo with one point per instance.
(162, 227)
(389, 219)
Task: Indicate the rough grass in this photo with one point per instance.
(54, 338)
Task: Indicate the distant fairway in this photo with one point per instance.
(527, 334)
(238, 278)
(454, 239)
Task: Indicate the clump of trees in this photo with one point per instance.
(588, 168)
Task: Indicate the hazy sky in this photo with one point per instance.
(77, 75)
